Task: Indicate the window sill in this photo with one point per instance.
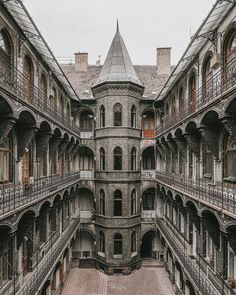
(101, 254)
(133, 254)
(118, 256)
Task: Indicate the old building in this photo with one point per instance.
(104, 165)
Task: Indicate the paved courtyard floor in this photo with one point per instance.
(146, 281)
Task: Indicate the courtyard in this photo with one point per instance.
(146, 281)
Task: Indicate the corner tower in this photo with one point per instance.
(118, 91)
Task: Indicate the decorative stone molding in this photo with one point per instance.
(6, 125)
(25, 137)
(230, 125)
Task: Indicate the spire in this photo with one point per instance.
(118, 66)
(117, 26)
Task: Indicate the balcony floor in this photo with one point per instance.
(146, 281)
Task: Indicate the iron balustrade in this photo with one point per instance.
(215, 278)
(46, 265)
(13, 196)
(198, 278)
(27, 93)
(216, 86)
(220, 194)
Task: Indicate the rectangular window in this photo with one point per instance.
(117, 119)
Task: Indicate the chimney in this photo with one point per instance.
(81, 62)
(163, 61)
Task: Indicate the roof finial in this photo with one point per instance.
(117, 25)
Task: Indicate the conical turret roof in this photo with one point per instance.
(118, 66)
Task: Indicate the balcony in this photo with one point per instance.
(220, 83)
(86, 134)
(148, 174)
(49, 261)
(15, 195)
(220, 195)
(86, 216)
(14, 82)
(199, 279)
(205, 273)
(148, 215)
(87, 174)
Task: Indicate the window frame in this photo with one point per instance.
(117, 201)
(117, 113)
(117, 158)
(118, 244)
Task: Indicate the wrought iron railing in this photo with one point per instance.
(221, 195)
(219, 84)
(46, 265)
(26, 92)
(194, 273)
(15, 195)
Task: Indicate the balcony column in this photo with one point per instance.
(61, 153)
(224, 249)
(25, 137)
(72, 154)
(6, 124)
(13, 261)
(68, 152)
(42, 145)
(173, 151)
(193, 142)
(210, 136)
(161, 151)
(53, 150)
(166, 150)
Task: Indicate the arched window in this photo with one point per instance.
(102, 117)
(133, 116)
(117, 203)
(102, 159)
(6, 149)
(133, 242)
(192, 92)
(28, 78)
(133, 159)
(207, 77)
(43, 87)
(230, 156)
(5, 49)
(118, 244)
(117, 158)
(230, 46)
(133, 202)
(101, 242)
(117, 114)
(102, 202)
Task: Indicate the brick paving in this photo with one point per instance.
(146, 281)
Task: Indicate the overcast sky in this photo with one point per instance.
(89, 25)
